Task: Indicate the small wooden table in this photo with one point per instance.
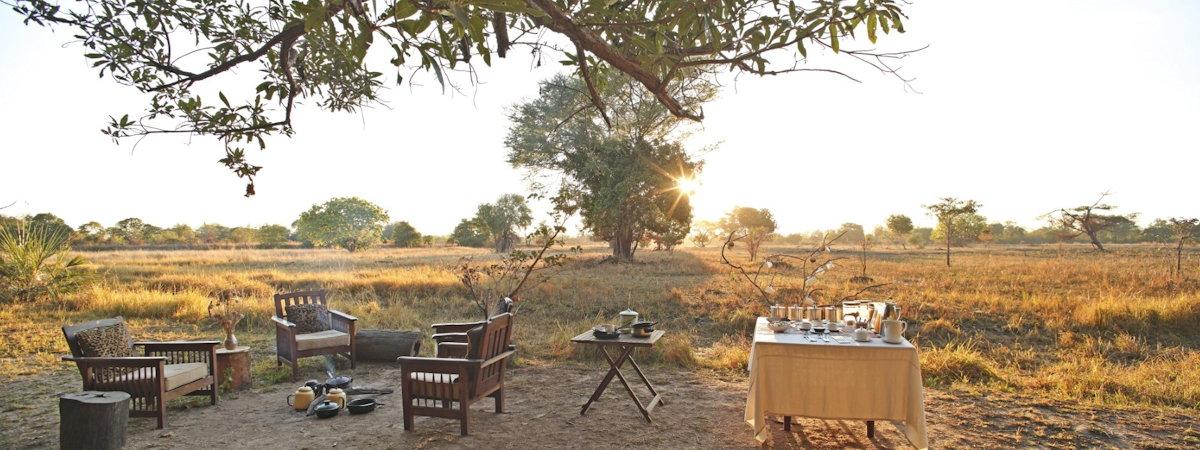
(237, 362)
(626, 343)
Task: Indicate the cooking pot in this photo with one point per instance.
(362, 405)
(339, 382)
(327, 409)
(643, 329)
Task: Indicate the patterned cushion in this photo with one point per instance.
(108, 341)
(309, 318)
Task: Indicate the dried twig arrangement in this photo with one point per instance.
(516, 272)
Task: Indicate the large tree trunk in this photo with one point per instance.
(624, 244)
(1179, 258)
(949, 232)
(1095, 240)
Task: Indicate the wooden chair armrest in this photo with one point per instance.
(117, 361)
(279, 322)
(436, 365)
(462, 327)
(178, 345)
(450, 337)
(451, 349)
(335, 314)
(497, 359)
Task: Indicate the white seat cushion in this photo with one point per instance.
(435, 385)
(321, 339)
(180, 374)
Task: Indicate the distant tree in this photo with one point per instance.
(347, 222)
(1089, 220)
(503, 219)
(1159, 231)
(920, 237)
(946, 211)
(131, 230)
(704, 232)
(852, 233)
(758, 226)
(273, 236)
(184, 234)
(900, 225)
(211, 233)
(92, 233)
(1183, 229)
(469, 233)
(967, 229)
(674, 235)
(404, 235)
(243, 235)
(51, 222)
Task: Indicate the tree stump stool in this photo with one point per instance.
(233, 367)
(92, 420)
(386, 345)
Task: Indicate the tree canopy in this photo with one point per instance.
(624, 178)
(347, 222)
(316, 51)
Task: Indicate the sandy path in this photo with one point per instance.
(542, 411)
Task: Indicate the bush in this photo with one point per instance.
(35, 264)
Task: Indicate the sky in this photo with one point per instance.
(1027, 107)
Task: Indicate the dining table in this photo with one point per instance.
(834, 377)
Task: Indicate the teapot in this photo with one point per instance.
(628, 317)
(301, 398)
(336, 395)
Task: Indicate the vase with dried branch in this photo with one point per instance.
(812, 264)
(224, 311)
(516, 272)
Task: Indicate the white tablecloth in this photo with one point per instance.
(791, 376)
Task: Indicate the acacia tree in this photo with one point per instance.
(1089, 219)
(756, 225)
(900, 225)
(623, 178)
(1183, 229)
(946, 211)
(316, 50)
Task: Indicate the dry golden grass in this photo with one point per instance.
(1110, 328)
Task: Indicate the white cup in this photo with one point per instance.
(862, 335)
(893, 330)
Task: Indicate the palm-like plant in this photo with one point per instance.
(35, 263)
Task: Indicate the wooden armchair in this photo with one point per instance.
(290, 346)
(168, 370)
(450, 339)
(446, 387)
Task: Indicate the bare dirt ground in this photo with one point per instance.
(542, 411)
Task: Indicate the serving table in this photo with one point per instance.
(625, 344)
(840, 379)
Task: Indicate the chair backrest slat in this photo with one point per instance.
(282, 301)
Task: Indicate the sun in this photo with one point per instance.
(687, 185)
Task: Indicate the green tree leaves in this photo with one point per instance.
(347, 222)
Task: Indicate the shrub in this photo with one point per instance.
(35, 264)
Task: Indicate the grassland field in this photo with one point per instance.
(1110, 328)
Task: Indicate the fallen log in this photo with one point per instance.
(386, 345)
